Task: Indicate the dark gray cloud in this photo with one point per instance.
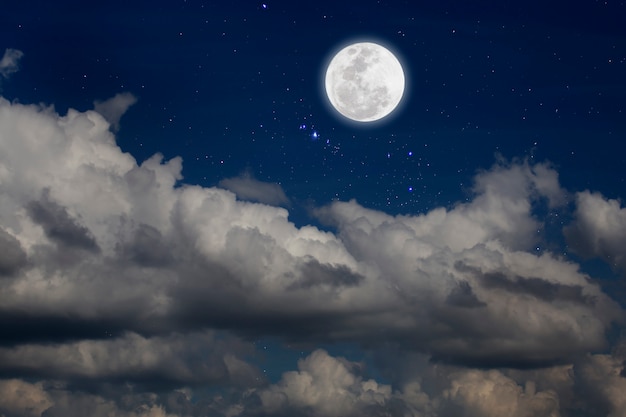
(191, 359)
(12, 255)
(147, 248)
(59, 226)
(536, 287)
(313, 274)
(598, 385)
(20, 327)
(463, 296)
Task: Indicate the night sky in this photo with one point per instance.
(188, 228)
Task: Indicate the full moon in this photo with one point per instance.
(364, 82)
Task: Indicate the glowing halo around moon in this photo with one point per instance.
(364, 82)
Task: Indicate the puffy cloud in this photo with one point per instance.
(58, 225)
(9, 62)
(114, 108)
(246, 187)
(325, 386)
(116, 246)
(475, 293)
(23, 399)
(490, 393)
(112, 270)
(599, 229)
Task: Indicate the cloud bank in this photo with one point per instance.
(112, 271)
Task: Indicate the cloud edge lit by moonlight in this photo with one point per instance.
(138, 278)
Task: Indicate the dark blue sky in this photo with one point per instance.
(233, 82)
(484, 248)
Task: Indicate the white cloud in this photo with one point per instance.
(492, 394)
(109, 241)
(246, 187)
(326, 385)
(9, 63)
(477, 255)
(114, 108)
(599, 229)
(94, 244)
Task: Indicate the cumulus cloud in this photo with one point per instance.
(470, 268)
(20, 398)
(193, 256)
(492, 394)
(114, 108)
(599, 229)
(112, 270)
(327, 386)
(246, 187)
(9, 63)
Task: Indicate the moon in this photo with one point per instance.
(364, 82)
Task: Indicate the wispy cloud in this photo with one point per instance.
(246, 187)
(9, 63)
(114, 108)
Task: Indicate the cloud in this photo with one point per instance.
(327, 386)
(24, 399)
(189, 359)
(485, 298)
(20, 398)
(9, 62)
(113, 271)
(463, 296)
(490, 393)
(599, 229)
(12, 256)
(601, 382)
(248, 188)
(114, 108)
(113, 244)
